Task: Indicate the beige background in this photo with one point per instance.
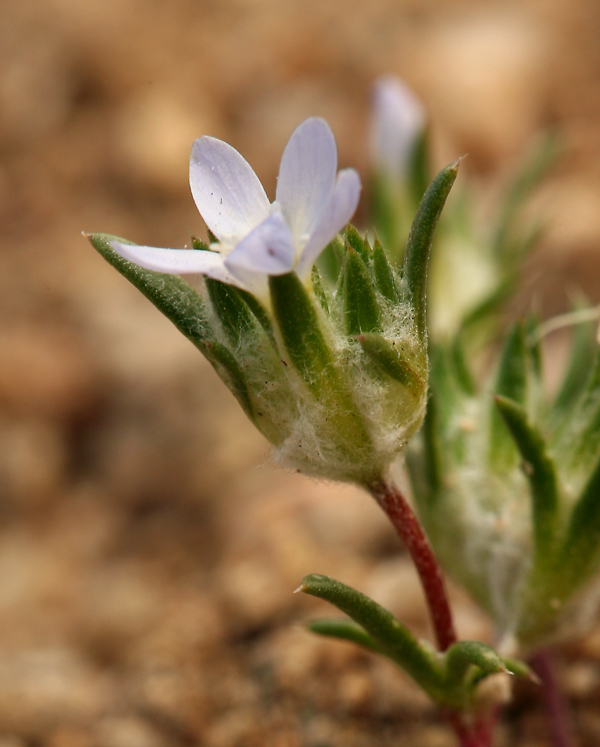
(148, 549)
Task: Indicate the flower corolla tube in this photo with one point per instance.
(257, 239)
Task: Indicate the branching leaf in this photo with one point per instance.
(344, 630)
(393, 638)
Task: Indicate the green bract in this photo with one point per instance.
(508, 487)
(473, 269)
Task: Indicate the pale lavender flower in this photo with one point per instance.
(258, 239)
(398, 120)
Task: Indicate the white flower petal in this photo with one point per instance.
(256, 283)
(307, 175)
(337, 213)
(398, 120)
(177, 261)
(226, 190)
(269, 249)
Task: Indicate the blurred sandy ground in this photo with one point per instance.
(148, 550)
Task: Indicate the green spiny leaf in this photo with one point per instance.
(464, 377)
(534, 348)
(542, 156)
(301, 331)
(318, 289)
(230, 372)
(521, 670)
(384, 275)
(432, 447)
(464, 654)
(486, 312)
(199, 245)
(298, 322)
(581, 359)
(418, 247)
(540, 471)
(345, 630)
(390, 635)
(581, 546)
(361, 246)
(233, 312)
(419, 171)
(396, 361)
(511, 382)
(388, 213)
(331, 260)
(171, 295)
(183, 306)
(259, 312)
(360, 307)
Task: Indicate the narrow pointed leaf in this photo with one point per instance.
(230, 372)
(464, 654)
(298, 322)
(487, 310)
(199, 245)
(394, 360)
(360, 245)
(360, 307)
(171, 295)
(464, 377)
(233, 312)
(419, 171)
(581, 546)
(579, 434)
(581, 359)
(512, 372)
(388, 213)
(542, 156)
(534, 349)
(318, 289)
(511, 382)
(259, 312)
(330, 261)
(345, 630)
(444, 385)
(432, 447)
(541, 474)
(384, 275)
(186, 308)
(339, 250)
(393, 637)
(300, 329)
(418, 247)
(521, 670)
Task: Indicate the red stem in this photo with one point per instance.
(555, 704)
(472, 730)
(476, 734)
(399, 512)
